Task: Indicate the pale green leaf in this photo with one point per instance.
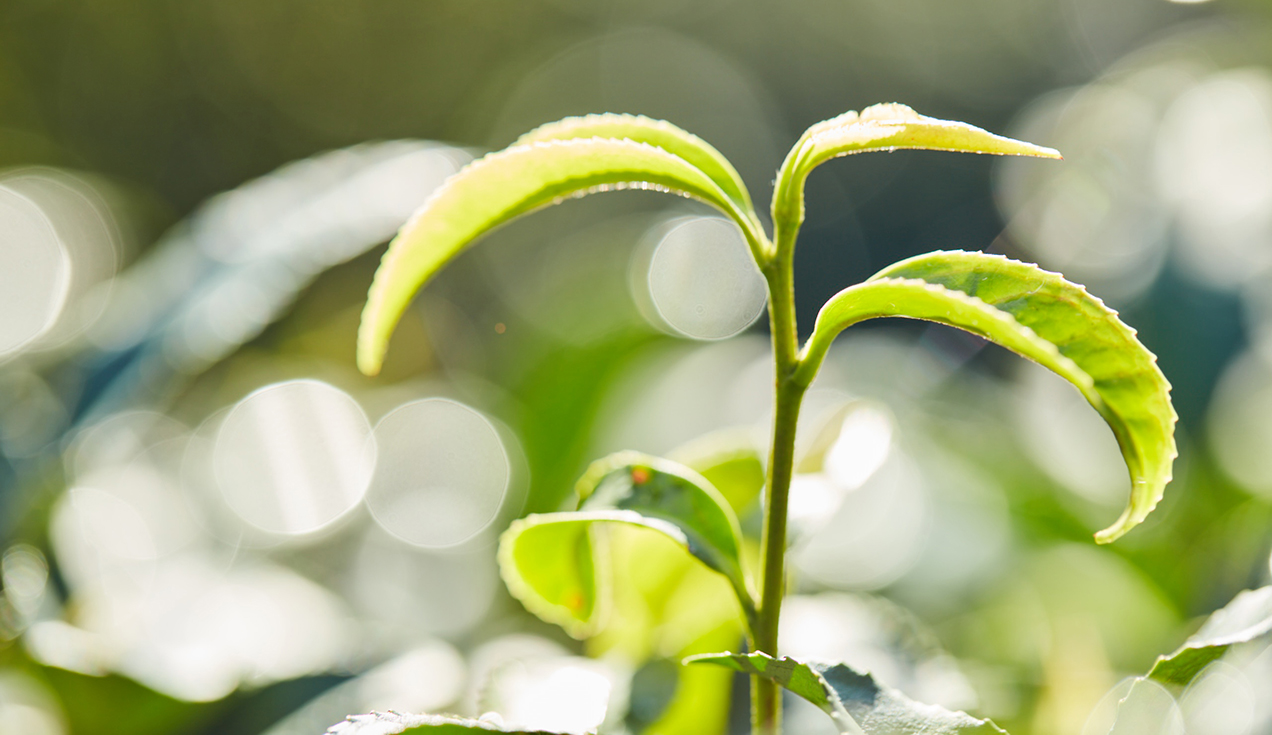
(394, 723)
(730, 461)
(1045, 318)
(855, 701)
(658, 133)
(502, 186)
(1247, 617)
(555, 564)
(885, 127)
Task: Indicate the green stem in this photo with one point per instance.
(766, 702)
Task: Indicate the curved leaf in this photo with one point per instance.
(1247, 617)
(658, 133)
(1041, 316)
(393, 723)
(855, 701)
(730, 461)
(554, 563)
(885, 127)
(502, 186)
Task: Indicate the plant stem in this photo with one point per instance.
(766, 702)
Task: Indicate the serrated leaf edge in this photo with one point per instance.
(889, 117)
(370, 352)
(523, 591)
(836, 710)
(1127, 520)
(813, 353)
(744, 196)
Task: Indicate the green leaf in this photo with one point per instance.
(502, 186)
(658, 133)
(730, 461)
(392, 723)
(1247, 617)
(855, 701)
(554, 562)
(1147, 703)
(886, 127)
(1045, 318)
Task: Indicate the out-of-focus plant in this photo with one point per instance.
(557, 563)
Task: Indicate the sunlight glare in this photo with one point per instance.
(293, 457)
(35, 272)
(702, 280)
(442, 475)
(862, 447)
(425, 679)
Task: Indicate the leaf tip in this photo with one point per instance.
(1111, 534)
(369, 362)
(371, 348)
(1032, 150)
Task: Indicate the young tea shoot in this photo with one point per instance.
(555, 563)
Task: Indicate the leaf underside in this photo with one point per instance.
(503, 186)
(885, 127)
(1047, 319)
(555, 562)
(854, 701)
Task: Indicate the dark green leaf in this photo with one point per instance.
(502, 186)
(1041, 316)
(855, 701)
(554, 562)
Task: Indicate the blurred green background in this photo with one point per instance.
(211, 523)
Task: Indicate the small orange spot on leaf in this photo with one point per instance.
(640, 475)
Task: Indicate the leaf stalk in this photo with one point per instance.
(766, 703)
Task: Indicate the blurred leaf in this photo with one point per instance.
(658, 133)
(730, 462)
(505, 185)
(1147, 706)
(669, 605)
(558, 400)
(653, 687)
(1247, 617)
(134, 709)
(1041, 316)
(392, 723)
(703, 693)
(668, 491)
(555, 565)
(855, 701)
(885, 127)
(549, 562)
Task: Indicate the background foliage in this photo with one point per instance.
(153, 585)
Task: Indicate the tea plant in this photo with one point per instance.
(555, 562)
